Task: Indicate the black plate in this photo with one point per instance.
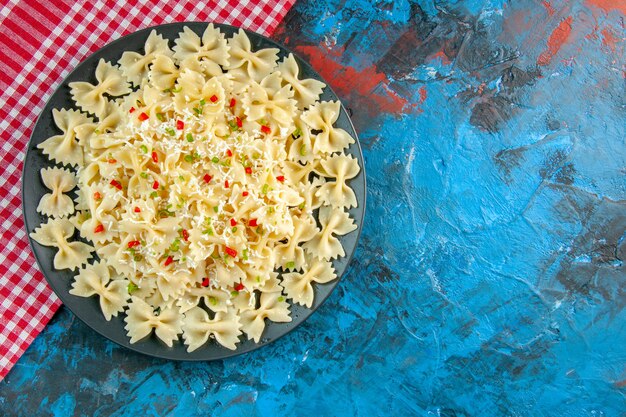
(88, 309)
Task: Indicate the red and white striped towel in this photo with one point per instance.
(40, 43)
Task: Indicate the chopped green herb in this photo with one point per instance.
(301, 206)
(202, 102)
(137, 258)
(143, 242)
(208, 231)
(175, 246)
(265, 188)
(154, 194)
(144, 148)
(303, 150)
(215, 208)
(189, 158)
(263, 122)
(281, 298)
(183, 259)
(245, 254)
(167, 90)
(234, 293)
(177, 89)
(97, 131)
(234, 229)
(132, 287)
(296, 133)
(213, 301)
(255, 156)
(270, 209)
(161, 117)
(181, 177)
(215, 159)
(170, 131)
(144, 175)
(258, 278)
(290, 265)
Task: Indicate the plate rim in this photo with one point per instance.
(226, 353)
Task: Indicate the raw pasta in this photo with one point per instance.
(199, 182)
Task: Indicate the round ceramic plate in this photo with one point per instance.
(88, 309)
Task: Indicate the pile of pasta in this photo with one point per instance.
(198, 172)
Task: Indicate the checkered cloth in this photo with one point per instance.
(40, 43)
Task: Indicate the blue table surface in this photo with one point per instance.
(489, 279)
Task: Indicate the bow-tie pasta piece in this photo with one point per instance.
(290, 255)
(198, 327)
(90, 97)
(273, 307)
(325, 245)
(210, 51)
(96, 280)
(306, 91)
(135, 66)
(56, 233)
(59, 181)
(64, 148)
(270, 99)
(322, 116)
(298, 286)
(337, 193)
(141, 318)
(254, 65)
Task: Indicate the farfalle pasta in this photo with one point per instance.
(211, 184)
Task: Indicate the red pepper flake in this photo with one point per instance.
(233, 102)
(155, 157)
(180, 125)
(233, 222)
(265, 129)
(249, 170)
(99, 229)
(143, 117)
(239, 287)
(245, 193)
(213, 98)
(133, 243)
(281, 178)
(207, 178)
(116, 184)
(155, 185)
(185, 234)
(112, 161)
(205, 282)
(253, 223)
(229, 153)
(226, 184)
(97, 196)
(168, 261)
(230, 251)
(239, 122)
(132, 109)
(137, 210)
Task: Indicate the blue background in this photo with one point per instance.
(489, 279)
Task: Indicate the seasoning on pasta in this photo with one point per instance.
(198, 170)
